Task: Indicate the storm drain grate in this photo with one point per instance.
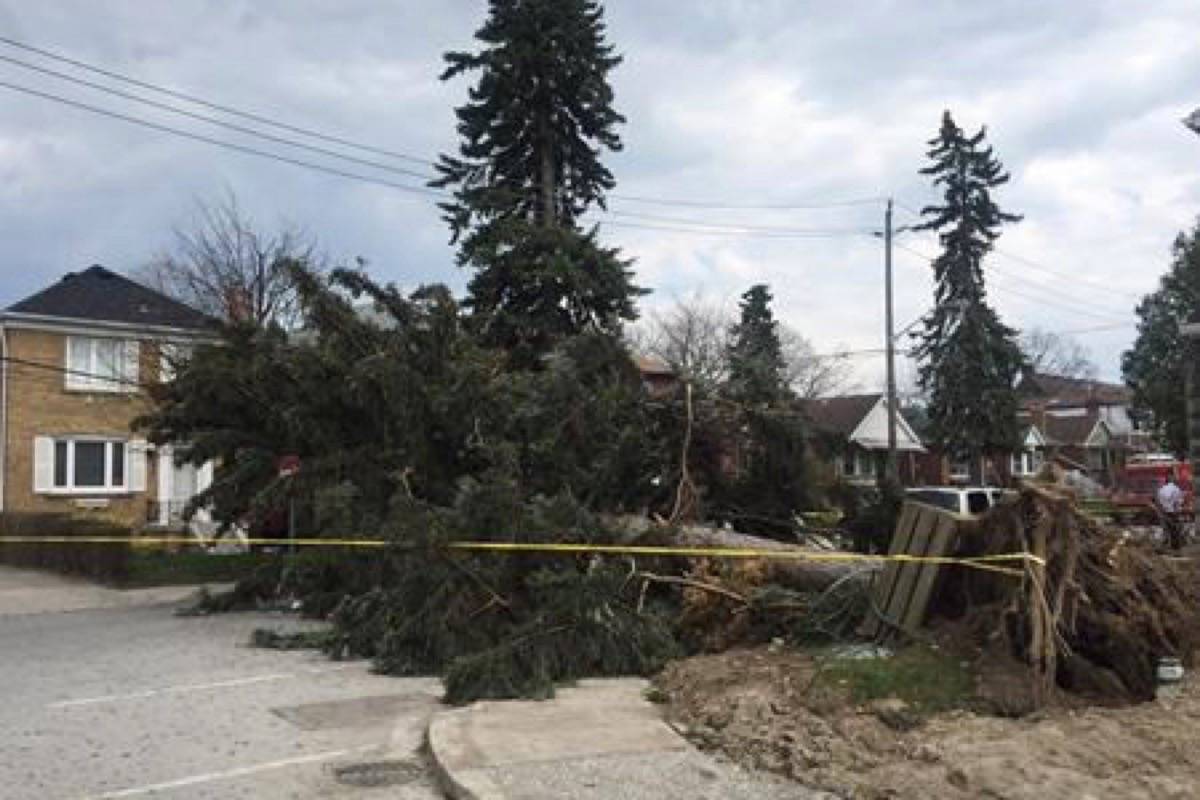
(368, 774)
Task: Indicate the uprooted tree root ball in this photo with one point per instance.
(1095, 610)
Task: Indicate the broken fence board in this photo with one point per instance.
(903, 591)
(943, 540)
(886, 580)
(918, 545)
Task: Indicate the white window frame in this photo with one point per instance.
(1026, 462)
(859, 464)
(960, 469)
(88, 377)
(109, 487)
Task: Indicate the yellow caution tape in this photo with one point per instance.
(988, 562)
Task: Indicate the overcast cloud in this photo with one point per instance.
(732, 101)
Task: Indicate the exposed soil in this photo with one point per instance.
(764, 710)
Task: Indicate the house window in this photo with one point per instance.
(100, 364)
(859, 464)
(1026, 462)
(86, 465)
(960, 469)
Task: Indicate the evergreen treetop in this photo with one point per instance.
(538, 118)
(533, 130)
(969, 358)
(757, 370)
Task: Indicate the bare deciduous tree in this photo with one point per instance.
(692, 338)
(222, 265)
(1056, 354)
(810, 374)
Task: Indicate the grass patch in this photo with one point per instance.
(927, 679)
(156, 568)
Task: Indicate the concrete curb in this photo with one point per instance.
(458, 785)
(598, 740)
(469, 747)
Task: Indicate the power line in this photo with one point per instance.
(1037, 299)
(1088, 310)
(1074, 279)
(731, 231)
(737, 226)
(658, 201)
(900, 203)
(219, 142)
(1097, 328)
(1095, 307)
(696, 226)
(264, 120)
(1065, 276)
(75, 372)
(219, 122)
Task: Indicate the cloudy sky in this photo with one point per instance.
(765, 133)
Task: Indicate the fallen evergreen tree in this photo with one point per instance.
(518, 417)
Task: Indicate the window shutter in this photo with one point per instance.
(79, 362)
(129, 369)
(136, 456)
(43, 464)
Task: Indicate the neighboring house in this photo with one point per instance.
(1079, 423)
(658, 379)
(76, 358)
(852, 433)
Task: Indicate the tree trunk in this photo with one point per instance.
(549, 210)
(795, 573)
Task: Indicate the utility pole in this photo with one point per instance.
(892, 472)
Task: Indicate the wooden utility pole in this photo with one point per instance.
(892, 470)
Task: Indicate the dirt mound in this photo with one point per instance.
(764, 710)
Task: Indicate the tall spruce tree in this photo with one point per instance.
(528, 167)
(771, 484)
(1155, 367)
(969, 359)
(757, 369)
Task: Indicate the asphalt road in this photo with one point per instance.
(119, 701)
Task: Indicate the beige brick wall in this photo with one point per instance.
(39, 404)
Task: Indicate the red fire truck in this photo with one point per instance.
(1140, 480)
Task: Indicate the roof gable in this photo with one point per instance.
(100, 295)
(1072, 430)
(862, 419)
(872, 431)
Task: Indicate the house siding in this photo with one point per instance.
(39, 404)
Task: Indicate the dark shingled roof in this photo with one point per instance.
(1057, 390)
(840, 415)
(100, 295)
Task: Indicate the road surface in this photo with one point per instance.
(119, 698)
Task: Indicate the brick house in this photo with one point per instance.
(76, 358)
(1079, 423)
(851, 432)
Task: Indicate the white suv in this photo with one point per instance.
(967, 500)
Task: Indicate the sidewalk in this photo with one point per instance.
(27, 591)
(599, 740)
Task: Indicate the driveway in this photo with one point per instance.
(119, 698)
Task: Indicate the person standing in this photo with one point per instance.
(1169, 500)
